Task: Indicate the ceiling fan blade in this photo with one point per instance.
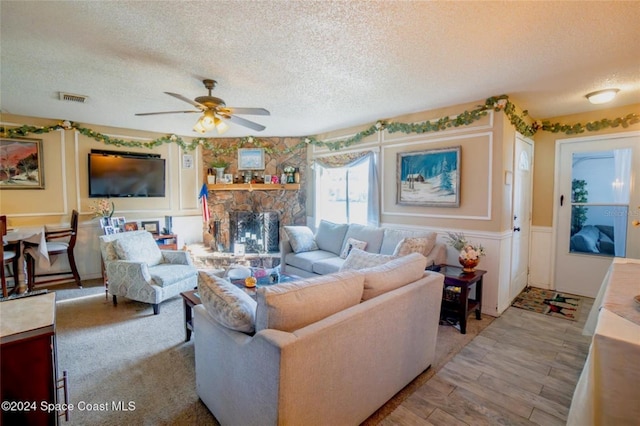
(187, 100)
(247, 111)
(245, 123)
(166, 112)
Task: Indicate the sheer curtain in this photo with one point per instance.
(622, 170)
(354, 159)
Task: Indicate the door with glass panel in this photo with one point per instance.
(597, 200)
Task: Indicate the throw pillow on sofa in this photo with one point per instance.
(226, 303)
(408, 245)
(301, 238)
(350, 245)
(360, 259)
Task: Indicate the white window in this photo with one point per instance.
(347, 193)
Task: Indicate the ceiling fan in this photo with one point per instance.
(215, 112)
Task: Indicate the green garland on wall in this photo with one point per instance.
(495, 103)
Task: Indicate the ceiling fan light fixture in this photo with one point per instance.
(208, 120)
(602, 96)
(221, 126)
(199, 128)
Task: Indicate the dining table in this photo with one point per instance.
(608, 390)
(36, 235)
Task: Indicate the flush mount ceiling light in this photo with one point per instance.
(602, 96)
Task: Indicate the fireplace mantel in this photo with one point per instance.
(253, 187)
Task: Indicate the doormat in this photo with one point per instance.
(548, 302)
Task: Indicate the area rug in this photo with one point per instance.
(548, 302)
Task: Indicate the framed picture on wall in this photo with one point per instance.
(251, 159)
(21, 164)
(151, 226)
(429, 178)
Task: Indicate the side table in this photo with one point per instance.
(190, 299)
(461, 306)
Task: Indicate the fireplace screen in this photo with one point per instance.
(259, 232)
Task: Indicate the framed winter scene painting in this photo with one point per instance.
(429, 178)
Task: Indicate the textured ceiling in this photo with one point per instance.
(316, 66)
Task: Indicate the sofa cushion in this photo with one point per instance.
(359, 259)
(330, 236)
(393, 274)
(422, 245)
(291, 306)
(138, 248)
(371, 234)
(166, 274)
(301, 238)
(306, 260)
(226, 303)
(328, 266)
(350, 245)
(392, 238)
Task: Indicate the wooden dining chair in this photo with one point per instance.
(55, 248)
(10, 256)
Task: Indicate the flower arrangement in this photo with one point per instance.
(289, 169)
(466, 249)
(102, 208)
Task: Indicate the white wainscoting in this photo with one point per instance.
(541, 257)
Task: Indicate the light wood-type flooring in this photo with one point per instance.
(521, 370)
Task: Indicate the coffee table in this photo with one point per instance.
(456, 305)
(264, 282)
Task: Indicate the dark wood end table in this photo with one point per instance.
(189, 299)
(461, 306)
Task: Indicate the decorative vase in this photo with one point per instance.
(219, 173)
(468, 265)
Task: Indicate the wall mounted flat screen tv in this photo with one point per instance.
(118, 174)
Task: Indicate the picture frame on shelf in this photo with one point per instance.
(228, 178)
(105, 221)
(429, 178)
(131, 226)
(118, 222)
(22, 162)
(152, 226)
(251, 159)
(109, 230)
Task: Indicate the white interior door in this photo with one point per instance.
(595, 206)
(522, 180)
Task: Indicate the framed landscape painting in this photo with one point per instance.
(429, 178)
(251, 159)
(21, 164)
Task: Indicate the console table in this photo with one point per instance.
(166, 241)
(460, 305)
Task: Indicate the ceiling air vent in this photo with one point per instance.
(73, 98)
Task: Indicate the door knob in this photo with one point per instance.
(516, 229)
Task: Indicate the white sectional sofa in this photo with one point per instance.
(306, 254)
(328, 350)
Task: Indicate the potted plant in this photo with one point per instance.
(219, 164)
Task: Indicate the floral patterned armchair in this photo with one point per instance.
(137, 269)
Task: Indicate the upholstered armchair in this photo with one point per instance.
(137, 269)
